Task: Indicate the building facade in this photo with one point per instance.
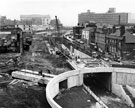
(77, 32)
(86, 35)
(100, 41)
(114, 45)
(111, 17)
(122, 46)
(35, 19)
(6, 22)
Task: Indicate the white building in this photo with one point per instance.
(35, 19)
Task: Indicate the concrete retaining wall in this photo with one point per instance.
(52, 89)
(125, 78)
(131, 90)
(73, 81)
(75, 78)
(119, 91)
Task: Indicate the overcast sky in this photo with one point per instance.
(66, 10)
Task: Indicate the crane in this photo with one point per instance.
(57, 26)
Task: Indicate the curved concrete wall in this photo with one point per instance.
(75, 78)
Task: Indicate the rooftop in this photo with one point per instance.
(33, 15)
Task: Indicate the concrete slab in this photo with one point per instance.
(31, 76)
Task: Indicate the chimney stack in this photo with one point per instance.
(122, 30)
(88, 11)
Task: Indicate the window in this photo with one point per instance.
(115, 41)
(119, 44)
(63, 84)
(119, 54)
(106, 40)
(115, 49)
(112, 41)
(110, 49)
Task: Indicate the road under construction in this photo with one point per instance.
(99, 83)
(47, 55)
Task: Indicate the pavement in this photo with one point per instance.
(87, 63)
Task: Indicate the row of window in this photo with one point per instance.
(85, 35)
(113, 41)
(113, 49)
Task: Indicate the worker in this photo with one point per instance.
(78, 59)
(48, 71)
(40, 72)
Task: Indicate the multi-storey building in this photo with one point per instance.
(35, 19)
(86, 35)
(122, 46)
(111, 17)
(115, 42)
(2, 20)
(100, 39)
(6, 22)
(77, 32)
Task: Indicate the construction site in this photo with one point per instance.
(53, 69)
(35, 55)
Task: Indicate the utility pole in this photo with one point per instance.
(21, 42)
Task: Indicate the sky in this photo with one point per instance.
(66, 10)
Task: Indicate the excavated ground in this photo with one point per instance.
(25, 95)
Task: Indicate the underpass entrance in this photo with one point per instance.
(99, 83)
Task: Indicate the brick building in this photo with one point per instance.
(121, 45)
(100, 40)
(77, 32)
